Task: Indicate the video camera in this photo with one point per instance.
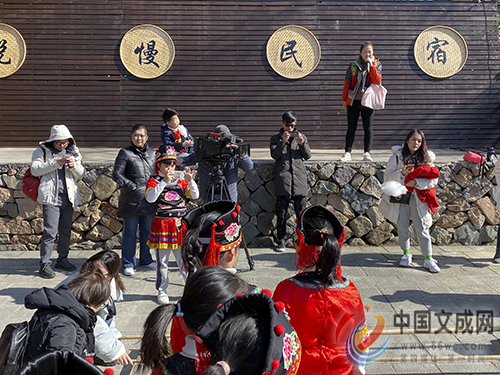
(489, 155)
(213, 148)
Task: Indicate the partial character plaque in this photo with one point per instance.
(12, 50)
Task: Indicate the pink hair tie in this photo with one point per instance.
(225, 366)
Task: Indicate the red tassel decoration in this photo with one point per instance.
(212, 254)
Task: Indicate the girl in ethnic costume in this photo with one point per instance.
(324, 308)
(170, 194)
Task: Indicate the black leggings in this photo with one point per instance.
(353, 112)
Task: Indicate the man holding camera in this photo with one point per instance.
(289, 148)
(229, 168)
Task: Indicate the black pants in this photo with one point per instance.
(353, 112)
(299, 204)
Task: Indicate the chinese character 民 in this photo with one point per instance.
(401, 320)
(484, 320)
(464, 322)
(443, 325)
(287, 52)
(3, 48)
(422, 321)
(437, 51)
(149, 53)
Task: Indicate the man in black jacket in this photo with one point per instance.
(133, 167)
(289, 148)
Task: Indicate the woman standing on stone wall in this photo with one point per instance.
(58, 163)
(361, 73)
(409, 193)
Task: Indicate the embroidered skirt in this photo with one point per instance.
(164, 233)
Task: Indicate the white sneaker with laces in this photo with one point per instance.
(346, 157)
(367, 157)
(406, 260)
(431, 265)
(151, 265)
(128, 271)
(163, 298)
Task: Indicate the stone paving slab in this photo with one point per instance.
(468, 281)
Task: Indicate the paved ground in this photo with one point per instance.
(468, 281)
(107, 155)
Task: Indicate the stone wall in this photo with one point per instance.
(466, 214)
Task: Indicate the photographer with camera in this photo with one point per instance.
(229, 156)
(289, 148)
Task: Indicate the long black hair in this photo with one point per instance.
(111, 261)
(319, 231)
(241, 342)
(204, 291)
(421, 156)
(193, 251)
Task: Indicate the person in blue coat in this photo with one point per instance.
(174, 134)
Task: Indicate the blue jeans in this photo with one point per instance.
(129, 240)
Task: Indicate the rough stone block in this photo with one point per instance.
(318, 199)
(451, 219)
(363, 203)
(325, 187)
(361, 226)
(29, 209)
(467, 234)
(488, 209)
(373, 213)
(99, 233)
(82, 224)
(357, 181)
(343, 175)
(86, 193)
(6, 195)
(265, 171)
(103, 187)
(250, 231)
(440, 236)
(349, 194)
(265, 200)
(12, 182)
(463, 178)
(380, 234)
(114, 225)
(260, 242)
(114, 242)
(266, 223)
(488, 233)
(341, 205)
(326, 171)
(253, 180)
(458, 205)
(476, 189)
(251, 207)
(372, 187)
(476, 217)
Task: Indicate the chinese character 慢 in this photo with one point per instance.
(401, 320)
(3, 48)
(422, 321)
(484, 321)
(443, 325)
(464, 322)
(436, 50)
(287, 52)
(149, 53)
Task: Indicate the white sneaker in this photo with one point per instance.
(431, 265)
(128, 271)
(406, 260)
(151, 265)
(367, 157)
(163, 298)
(346, 157)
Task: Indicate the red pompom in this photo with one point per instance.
(276, 364)
(279, 306)
(90, 359)
(268, 292)
(219, 305)
(279, 329)
(238, 208)
(240, 294)
(221, 223)
(109, 371)
(296, 221)
(234, 214)
(266, 373)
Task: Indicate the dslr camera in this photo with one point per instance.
(215, 147)
(293, 133)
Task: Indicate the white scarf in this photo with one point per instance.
(182, 129)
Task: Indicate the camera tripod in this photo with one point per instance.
(217, 181)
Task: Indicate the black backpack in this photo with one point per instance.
(13, 343)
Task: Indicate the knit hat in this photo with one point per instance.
(168, 113)
(225, 132)
(223, 235)
(307, 254)
(59, 132)
(165, 153)
(284, 349)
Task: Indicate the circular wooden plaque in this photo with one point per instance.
(147, 51)
(440, 51)
(293, 52)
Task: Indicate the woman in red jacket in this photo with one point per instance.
(324, 308)
(361, 73)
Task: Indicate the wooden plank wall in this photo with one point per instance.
(73, 73)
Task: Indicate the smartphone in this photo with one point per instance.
(293, 133)
(178, 175)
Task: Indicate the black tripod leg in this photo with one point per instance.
(250, 261)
